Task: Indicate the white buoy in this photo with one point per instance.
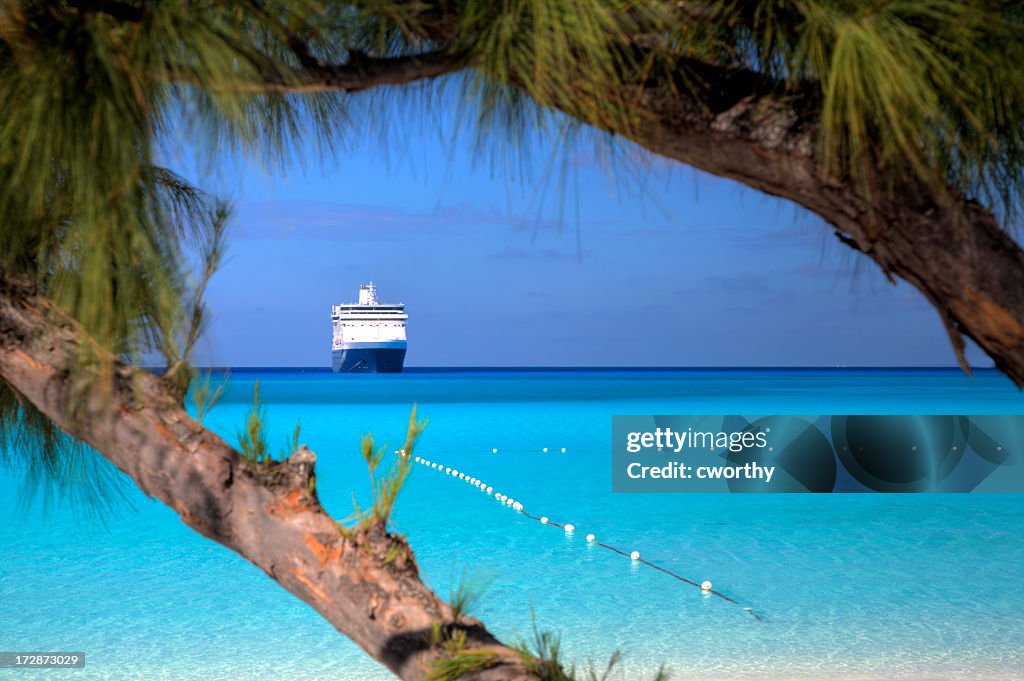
(563, 450)
(569, 529)
(635, 555)
(509, 502)
(417, 459)
(494, 451)
(490, 489)
(544, 520)
(447, 471)
(545, 450)
(455, 473)
(591, 538)
(517, 506)
(705, 585)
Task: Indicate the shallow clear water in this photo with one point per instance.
(850, 586)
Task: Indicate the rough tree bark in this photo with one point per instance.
(364, 582)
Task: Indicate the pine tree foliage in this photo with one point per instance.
(930, 84)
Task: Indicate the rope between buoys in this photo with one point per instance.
(544, 520)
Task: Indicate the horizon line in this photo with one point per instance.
(439, 367)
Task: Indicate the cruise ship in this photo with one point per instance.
(369, 336)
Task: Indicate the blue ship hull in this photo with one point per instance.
(370, 358)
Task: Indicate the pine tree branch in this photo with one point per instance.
(358, 73)
(362, 72)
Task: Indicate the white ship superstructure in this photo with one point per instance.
(369, 336)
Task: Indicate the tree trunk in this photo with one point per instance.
(364, 582)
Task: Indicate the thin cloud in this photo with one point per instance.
(328, 221)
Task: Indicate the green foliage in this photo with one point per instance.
(470, 591)
(928, 87)
(53, 465)
(177, 340)
(385, 488)
(459, 664)
(456, 661)
(252, 439)
(91, 95)
(293, 442)
(556, 52)
(204, 395)
(542, 654)
(395, 551)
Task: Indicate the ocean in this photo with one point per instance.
(847, 586)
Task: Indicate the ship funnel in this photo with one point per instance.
(368, 294)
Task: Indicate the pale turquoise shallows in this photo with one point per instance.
(851, 586)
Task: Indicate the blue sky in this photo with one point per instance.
(569, 262)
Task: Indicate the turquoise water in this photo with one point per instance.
(850, 586)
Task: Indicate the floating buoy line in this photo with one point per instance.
(706, 587)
